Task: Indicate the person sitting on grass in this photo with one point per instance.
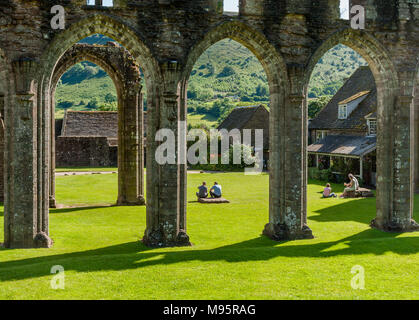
(215, 191)
(203, 191)
(353, 185)
(327, 192)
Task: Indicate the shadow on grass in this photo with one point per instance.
(134, 255)
(358, 210)
(81, 208)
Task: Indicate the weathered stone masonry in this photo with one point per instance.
(166, 37)
(125, 73)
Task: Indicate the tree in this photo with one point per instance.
(316, 105)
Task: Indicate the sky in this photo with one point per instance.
(231, 5)
(344, 9)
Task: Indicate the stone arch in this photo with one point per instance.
(389, 208)
(279, 87)
(95, 23)
(111, 27)
(252, 39)
(126, 76)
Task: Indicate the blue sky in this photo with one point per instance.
(231, 5)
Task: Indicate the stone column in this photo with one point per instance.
(288, 176)
(52, 201)
(183, 181)
(398, 216)
(26, 209)
(416, 141)
(163, 179)
(128, 143)
(140, 150)
(2, 137)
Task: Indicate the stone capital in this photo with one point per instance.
(25, 75)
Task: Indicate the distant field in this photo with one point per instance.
(195, 119)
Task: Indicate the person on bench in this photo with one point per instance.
(352, 186)
(203, 191)
(215, 191)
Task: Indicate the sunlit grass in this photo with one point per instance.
(103, 258)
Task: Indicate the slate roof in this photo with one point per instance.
(344, 145)
(92, 124)
(249, 117)
(362, 80)
(239, 117)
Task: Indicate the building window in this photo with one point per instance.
(104, 3)
(231, 6)
(372, 127)
(343, 113)
(320, 135)
(344, 9)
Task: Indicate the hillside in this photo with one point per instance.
(227, 73)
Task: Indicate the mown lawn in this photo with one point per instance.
(103, 259)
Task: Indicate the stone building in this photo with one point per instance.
(165, 38)
(249, 117)
(346, 128)
(87, 139)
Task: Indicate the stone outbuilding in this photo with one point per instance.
(87, 139)
(249, 117)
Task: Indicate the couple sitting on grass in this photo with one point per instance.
(353, 185)
(215, 191)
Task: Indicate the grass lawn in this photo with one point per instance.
(86, 169)
(103, 259)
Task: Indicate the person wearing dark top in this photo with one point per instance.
(203, 191)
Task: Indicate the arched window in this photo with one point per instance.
(105, 3)
(231, 7)
(344, 9)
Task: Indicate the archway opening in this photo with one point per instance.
(228, 93)
(97, 99)
(343, 128)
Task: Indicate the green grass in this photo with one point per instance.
(86, 169)
(103, 259)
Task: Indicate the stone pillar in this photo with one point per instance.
(52, 201)
(163, 179)
(26, 207)
(2, 137)
(140, 150)
(288, 173)
(128, 147)
(397, 216)
(416, 141)
(183, 181)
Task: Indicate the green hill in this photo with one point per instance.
(227, 73)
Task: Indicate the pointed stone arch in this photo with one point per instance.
(280, 225)
(394, 197)
(126, 76)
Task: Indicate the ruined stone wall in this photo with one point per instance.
(84, 152)
(166, 37)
